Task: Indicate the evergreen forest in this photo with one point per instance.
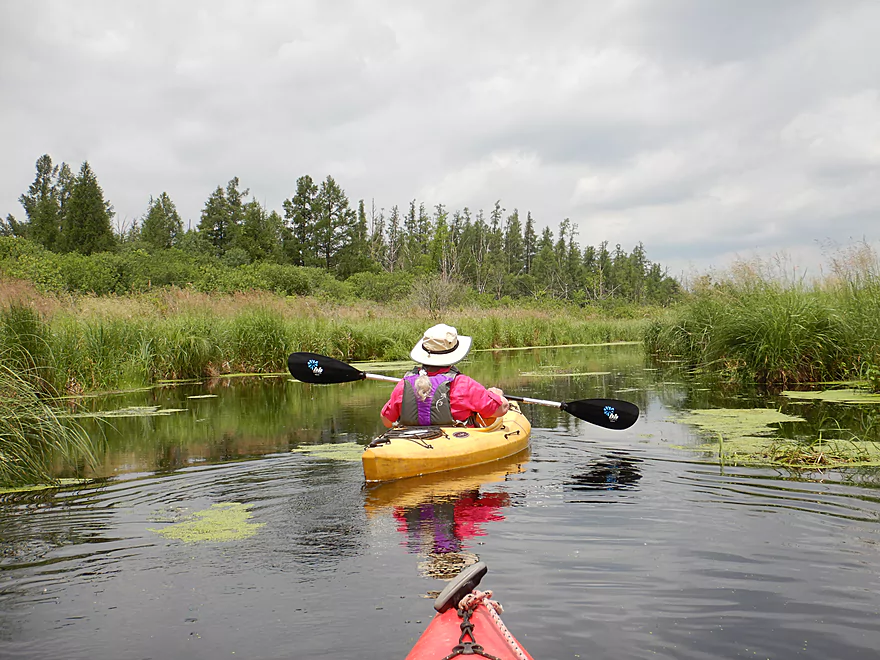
(318, 241)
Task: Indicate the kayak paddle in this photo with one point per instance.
(323, 370)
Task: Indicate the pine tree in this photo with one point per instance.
(394, 239)
(439, 252)
(378, 251)
(424, 225)
(466, 247)
(496, 262)
(411, 248)
(12, 227)
(513, 244)
(41, 205)
(480, 253)
(544, 264)
(260, 235)
(335, 225)
(87, 216)
(162, 225)
(574, 272)
(603, 270)
(64, 187)
(214, 223)
(530, 242)
(300, 214)
(456, 251)
(355, 256)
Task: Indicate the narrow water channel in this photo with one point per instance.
(600, 544)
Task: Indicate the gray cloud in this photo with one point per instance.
(703, 129)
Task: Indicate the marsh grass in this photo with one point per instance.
(752, 326)
(93, 343)
(32, 436)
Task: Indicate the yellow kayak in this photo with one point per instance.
(411, 451)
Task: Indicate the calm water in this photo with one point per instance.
(600, 544)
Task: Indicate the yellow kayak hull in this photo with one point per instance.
(457, 447)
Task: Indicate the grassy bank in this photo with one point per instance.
(71, 345)
(754, 326)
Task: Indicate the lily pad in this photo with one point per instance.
(132, 411)
(227, 521)
(35, 487)
(837, 396)
(340, 451)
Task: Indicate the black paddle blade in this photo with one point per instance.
(608, 413)
(314, 368)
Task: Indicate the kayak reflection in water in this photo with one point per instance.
(438, 529)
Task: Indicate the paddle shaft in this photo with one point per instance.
(524, 399)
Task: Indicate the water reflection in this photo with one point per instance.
(616, 470)
(230, 418)
(439, 514)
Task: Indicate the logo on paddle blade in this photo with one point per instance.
(610, 414)
(313, 365)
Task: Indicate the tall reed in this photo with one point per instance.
(32, 437)
(105, 343)
(752, 327)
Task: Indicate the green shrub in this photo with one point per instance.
(381, 287)
(286, 280)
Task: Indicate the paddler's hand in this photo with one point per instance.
(505, 404)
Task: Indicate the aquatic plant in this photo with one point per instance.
(24, 341)
(227, 521)
(32, 435)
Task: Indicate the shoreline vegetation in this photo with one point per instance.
(747, 327)
(757, 325)
(69, 345)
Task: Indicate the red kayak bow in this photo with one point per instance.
(467, 623)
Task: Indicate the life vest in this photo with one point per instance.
(435, 409)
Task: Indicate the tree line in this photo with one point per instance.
(499, 253)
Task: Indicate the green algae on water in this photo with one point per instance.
(734, 423)
(341, 451)
(742, 434)
(227, 521)
(837, 396)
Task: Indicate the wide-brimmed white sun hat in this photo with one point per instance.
(441, 346)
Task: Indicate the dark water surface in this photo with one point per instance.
(600, 544)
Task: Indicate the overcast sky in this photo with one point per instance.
(704, 129)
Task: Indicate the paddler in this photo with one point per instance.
(435, 393)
